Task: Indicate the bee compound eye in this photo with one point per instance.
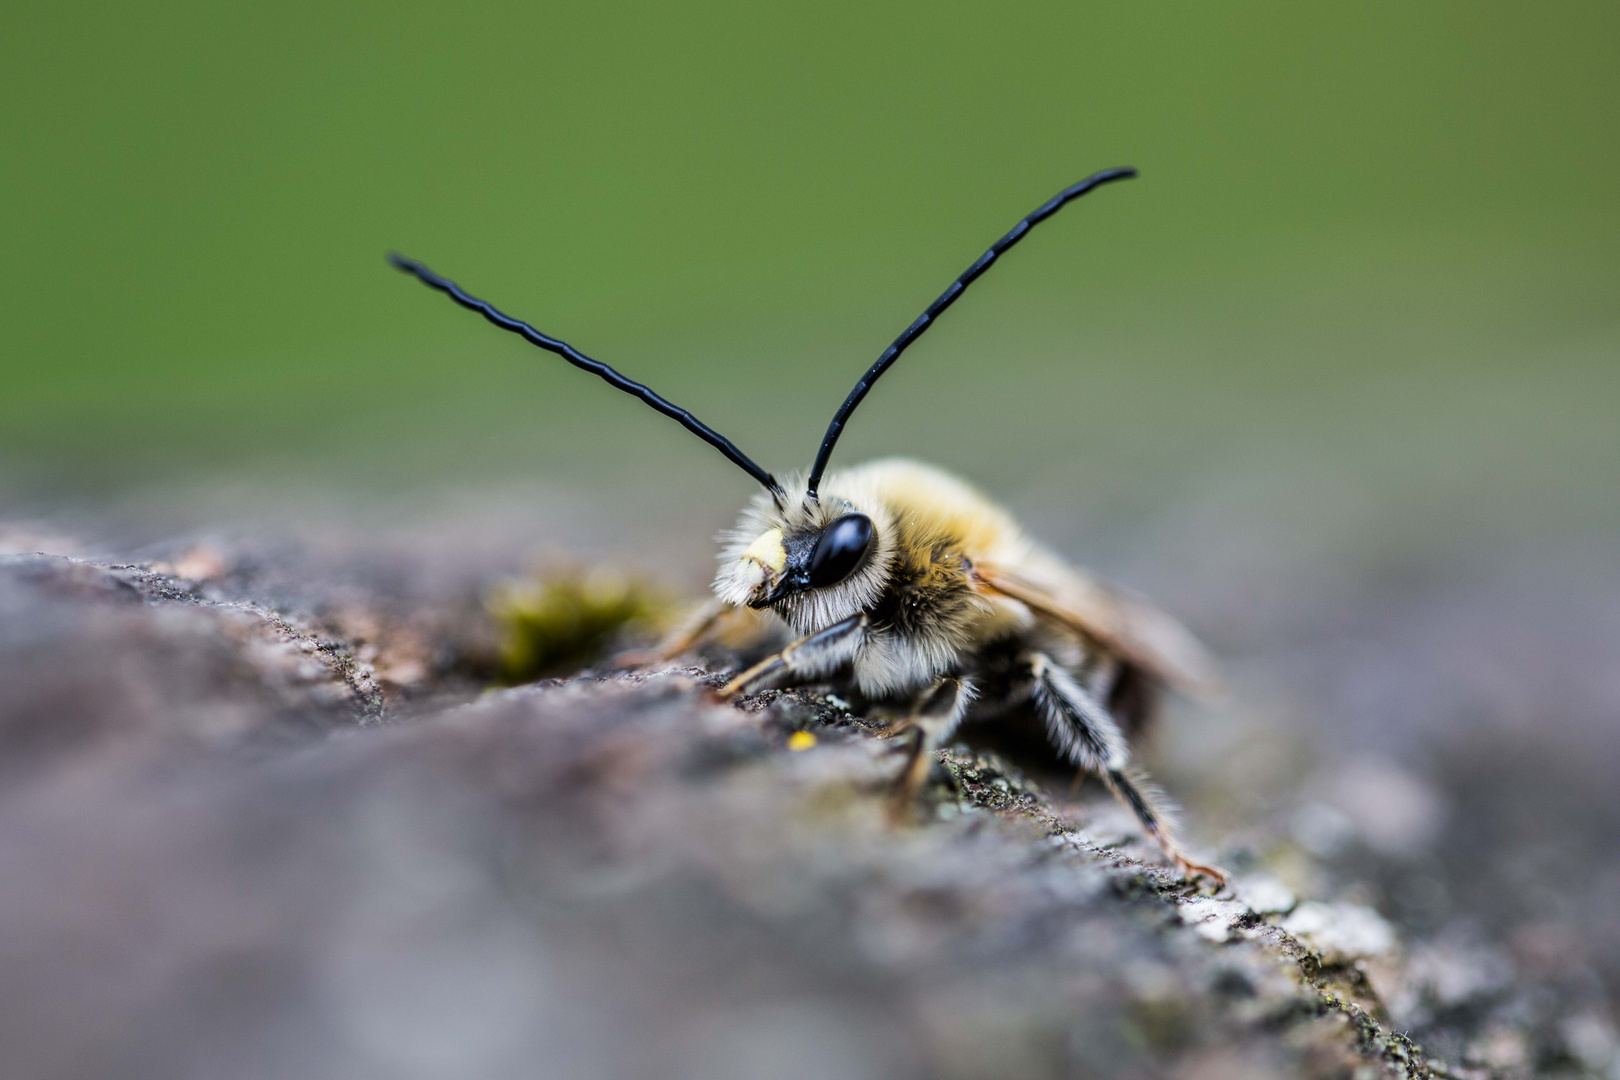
(839, 551)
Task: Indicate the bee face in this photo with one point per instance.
(809, 560)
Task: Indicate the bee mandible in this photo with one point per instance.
(911, 592)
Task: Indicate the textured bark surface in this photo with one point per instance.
(257, 820)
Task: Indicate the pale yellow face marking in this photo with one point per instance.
(768, 551)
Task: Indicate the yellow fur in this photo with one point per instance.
(931, 502)
(768, 551)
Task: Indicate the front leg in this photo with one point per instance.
(812, 657)
(696, 627)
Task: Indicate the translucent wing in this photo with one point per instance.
(1124, 625)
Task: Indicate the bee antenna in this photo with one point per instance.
(595, 367)
(946, 299)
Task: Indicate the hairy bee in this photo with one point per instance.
(910, 590)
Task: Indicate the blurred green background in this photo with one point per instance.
(1377, 238)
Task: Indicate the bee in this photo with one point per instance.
(911, 592)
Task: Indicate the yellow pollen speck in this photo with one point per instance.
(768, 551)
(801, 740)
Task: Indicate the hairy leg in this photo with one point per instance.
(1084, 732)
(1097, 674)
(812, 657)
(933, 717)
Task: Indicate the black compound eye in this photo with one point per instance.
(840, 549)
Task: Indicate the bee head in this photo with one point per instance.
(812, 561)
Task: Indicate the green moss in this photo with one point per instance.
(559, 623)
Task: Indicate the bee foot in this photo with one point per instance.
(1192, 871)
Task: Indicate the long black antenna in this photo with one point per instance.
(595, 367)
(946, 299)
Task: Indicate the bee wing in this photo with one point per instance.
(1126, 626)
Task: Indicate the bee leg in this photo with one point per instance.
(1132, 787)
(1099, 675)
(693, 629)
(933, 717)
(811, 657)
(1084, 732)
